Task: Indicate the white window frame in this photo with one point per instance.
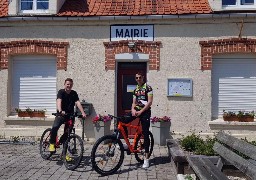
(239, 6)
(34, 9)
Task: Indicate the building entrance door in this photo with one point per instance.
(126, 83)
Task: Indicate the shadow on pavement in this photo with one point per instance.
(160, 160)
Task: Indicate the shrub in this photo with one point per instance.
(194, 143)
(191, 142)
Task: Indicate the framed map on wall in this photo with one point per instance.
(179, 87)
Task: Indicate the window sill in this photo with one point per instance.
(239, 8)
(27, 121)
(220, 124)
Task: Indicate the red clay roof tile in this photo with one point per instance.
(3, 8)
(126, 7)
(133, 7)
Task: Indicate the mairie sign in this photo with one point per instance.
(132, 32)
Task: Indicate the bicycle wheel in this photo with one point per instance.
(107, 155)
(73, 152)
(139, 145)
(44, 144)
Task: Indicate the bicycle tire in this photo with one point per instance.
(44, 144)
(74, 149)
(108, 156)
(139, 145)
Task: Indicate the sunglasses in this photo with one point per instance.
(138, 77)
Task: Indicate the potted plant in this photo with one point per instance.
(246, 116)
(161, 129)
(229, 116)
(22, 112)
(101, 125)
(241, 116)
(38, 113)
(28, 112)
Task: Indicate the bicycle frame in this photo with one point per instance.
(122, 131)
(67, 125)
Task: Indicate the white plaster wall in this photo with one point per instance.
(216, 5)
(180, 58)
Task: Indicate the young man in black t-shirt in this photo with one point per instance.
(66, 100)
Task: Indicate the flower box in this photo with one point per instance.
(246, 119)
(101, 126)
(240, 116)
(30, 113)
(230, 118)
(23, 114)
(161, 129)
(101, 129)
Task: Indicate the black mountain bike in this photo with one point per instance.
(73, 147)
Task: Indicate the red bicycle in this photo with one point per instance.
(73, 147)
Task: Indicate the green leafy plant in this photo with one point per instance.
(194, 143)
(40, 111)
(244, 113)
(29, 110)
(206, 148)
(228, 113)
(188, 177)
(191, 142)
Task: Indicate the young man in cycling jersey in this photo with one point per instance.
(141, 107)
(66, 100)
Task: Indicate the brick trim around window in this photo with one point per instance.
(224, 46)
(34, 47)
(147, 47)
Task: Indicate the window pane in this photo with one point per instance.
(247, 2)
(42, 5)
(228, 2)
(26, 4)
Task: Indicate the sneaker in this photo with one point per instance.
(145, 164)
(124, 145)
(68, 158)
(52, 148)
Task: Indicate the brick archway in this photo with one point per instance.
(224, 46)
(35, 47)
(147, 47)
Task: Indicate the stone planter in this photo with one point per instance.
(101, 129)
(161, 132)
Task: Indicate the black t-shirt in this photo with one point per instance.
(68, 100)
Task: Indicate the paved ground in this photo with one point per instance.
(24, 162)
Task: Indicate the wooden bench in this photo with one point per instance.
(206, 170)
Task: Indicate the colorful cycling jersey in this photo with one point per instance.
(141, 94)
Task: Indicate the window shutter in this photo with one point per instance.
(233, 84)
(34, 83)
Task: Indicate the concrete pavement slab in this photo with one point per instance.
(23, 162)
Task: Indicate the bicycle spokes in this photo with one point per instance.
(73, 152)
(107, 155)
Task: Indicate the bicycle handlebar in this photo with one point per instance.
(68, 115)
